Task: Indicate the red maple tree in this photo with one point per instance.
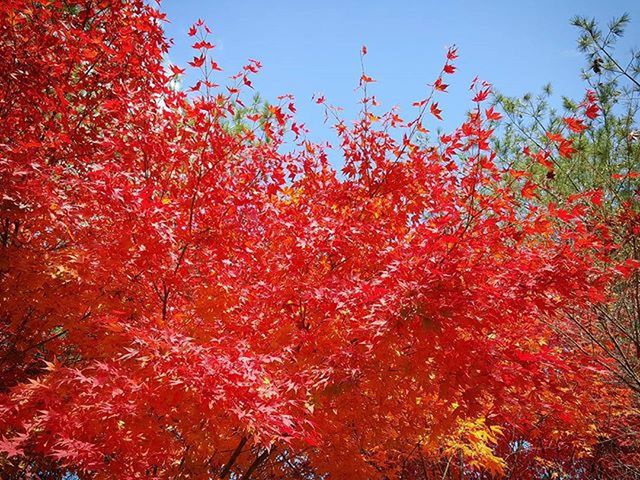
(181, 297)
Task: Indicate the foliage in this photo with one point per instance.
(183, 299)
(606, 163)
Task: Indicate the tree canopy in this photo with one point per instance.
(190, 289)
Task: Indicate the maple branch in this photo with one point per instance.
(46, 340)
(575, 343)
(165, 300)
(294, 467)
(256, 463)
(446, 469)
(529, 137)
(234, 456)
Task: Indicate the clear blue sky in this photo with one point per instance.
(311, 47)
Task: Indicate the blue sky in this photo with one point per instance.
(313, 47)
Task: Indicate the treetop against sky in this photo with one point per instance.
(191, 287)
(312, 47)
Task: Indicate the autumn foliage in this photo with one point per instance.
(183, 297)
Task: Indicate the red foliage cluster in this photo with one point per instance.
(181, 299)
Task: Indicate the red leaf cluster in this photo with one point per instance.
(182, 297)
